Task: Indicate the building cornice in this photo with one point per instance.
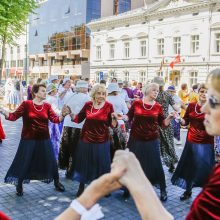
(146, 14)
(173, 11)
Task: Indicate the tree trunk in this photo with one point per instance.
(2, 61)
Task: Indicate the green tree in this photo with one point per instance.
(13, 20)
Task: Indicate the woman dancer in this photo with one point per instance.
(166, 134)
(35, 158)
(52, 99)
(206, 204)
(93, 151)
(197, 159)
(119, 135)
(145, 116)
(179, 104)
(71, 131)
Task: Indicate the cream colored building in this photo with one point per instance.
(132, 45)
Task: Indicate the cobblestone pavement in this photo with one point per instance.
(41, 201)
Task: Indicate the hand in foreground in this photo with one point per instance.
(101, 187)
(134, 174)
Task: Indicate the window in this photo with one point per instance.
(13, 63)
(112, 74)
(98, 53)
(177, 45)
(142, 76)
(160, 46)
(194, 44)
(97, 77)
(160, 74)
(126, 76)
(127, 50)
(20, 63)
(217, 42)
(112, 51)
(143, 48)
(193, 78)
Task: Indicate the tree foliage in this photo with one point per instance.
(13, 19)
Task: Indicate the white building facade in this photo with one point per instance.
(16, 59)
(142, 43)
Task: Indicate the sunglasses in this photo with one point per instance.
(213, 102)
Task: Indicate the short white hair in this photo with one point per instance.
(97, 88)
(149, 86)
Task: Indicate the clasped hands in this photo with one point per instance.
(125, 171)
(65, 110)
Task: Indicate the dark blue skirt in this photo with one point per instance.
(195, 165)
(34, 160)
(148, 154)
(92, 161)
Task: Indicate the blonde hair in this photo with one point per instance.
(213, 79)
(148, 86)
(97, 88)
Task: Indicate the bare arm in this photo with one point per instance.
(140, 188)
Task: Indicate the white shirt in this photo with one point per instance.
(124, 95)
(177, 101)
(53, 101)
(68, 93)
(76, 102)
(119, 106)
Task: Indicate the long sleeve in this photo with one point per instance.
(130, 113)
(82, 115)
(18, 113)
(161, 118)
(186, 116)
(52, 116)
(207, 203)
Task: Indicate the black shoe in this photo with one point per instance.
(163, 196)
(80, 190)
(171, 168)
(19, 190)
(186, 195)
(59, 187)
(108, 195)
(68, 175)
(126, 195)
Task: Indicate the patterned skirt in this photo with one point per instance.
(92, 161)
(68, 146)
(34, 160)
(167, 148)
(55, 137)
(148, 154)
(195, 165)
